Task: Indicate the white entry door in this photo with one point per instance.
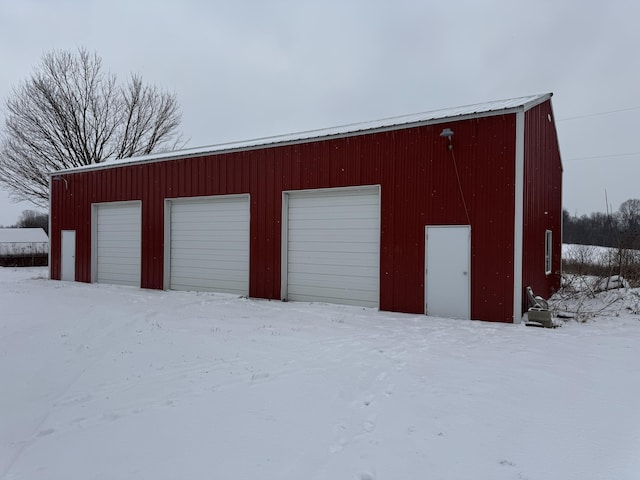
(68, 257)
(448, 271)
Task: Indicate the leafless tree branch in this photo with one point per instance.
(71, 113)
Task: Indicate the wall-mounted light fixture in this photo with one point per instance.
(447, 133)
(60, 177)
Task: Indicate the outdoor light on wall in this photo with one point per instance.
(447, 133)
(60, 177)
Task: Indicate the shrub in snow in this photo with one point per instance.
(611, 283)
(584, 297)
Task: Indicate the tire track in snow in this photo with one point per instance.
(38, 431)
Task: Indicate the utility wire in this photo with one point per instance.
(599, 114)
(455, 164)
(602, 156)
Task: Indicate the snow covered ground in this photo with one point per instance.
(107, 382)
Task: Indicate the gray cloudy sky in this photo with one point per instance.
(245, 69)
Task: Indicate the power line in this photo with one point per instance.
(599, 114)
(602, 156)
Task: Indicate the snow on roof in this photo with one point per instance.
(23, 241)
(435, 116)
(12, 235)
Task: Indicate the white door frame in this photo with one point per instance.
(68, 255)
(467, 272)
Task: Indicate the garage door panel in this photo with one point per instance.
(123, 269)
(108, 239)
(203, 206)
(190, 219)
(202, 278)
(210, 245)
(117, 222)
(224, 266)
(197, 257)
(333, 212)
(118, 243)
(330, 268)
(118, 213)
(123, 263)
(309, 279)
(207, 285)
(347, 260)
(333, 224)
(332, 295)
(333, 246)
(212, 228)
(329, 246)
(329, 199)
(339, 219)
(187, 217)
(116, 229)
(206, 237)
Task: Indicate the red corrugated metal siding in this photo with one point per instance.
(418, 187)
(493, 192)
(542, 200)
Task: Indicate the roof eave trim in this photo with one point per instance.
(184, 154)
(537, 101)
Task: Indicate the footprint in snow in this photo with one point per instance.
(369, 426)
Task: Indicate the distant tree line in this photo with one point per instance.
(619, 229)
(32, 219)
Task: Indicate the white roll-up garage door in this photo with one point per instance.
(117, 230)
(333, 246)
(209, 244)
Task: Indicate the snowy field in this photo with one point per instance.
(592, 253)
(106, 382)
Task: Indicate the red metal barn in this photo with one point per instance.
(450, 213)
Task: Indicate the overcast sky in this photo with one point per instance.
(247, 69)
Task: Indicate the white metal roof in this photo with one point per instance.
(23, 235)
(435, 116)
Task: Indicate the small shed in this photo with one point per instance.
(23, 247)
(451, 213)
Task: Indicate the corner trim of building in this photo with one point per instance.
(284, 248)
(166, 254)
(518, 223)
(50, 232)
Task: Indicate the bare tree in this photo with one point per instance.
(629, 223)
(71, 113)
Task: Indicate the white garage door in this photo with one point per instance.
(333, 246)
(117, 243)
(209, 245)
